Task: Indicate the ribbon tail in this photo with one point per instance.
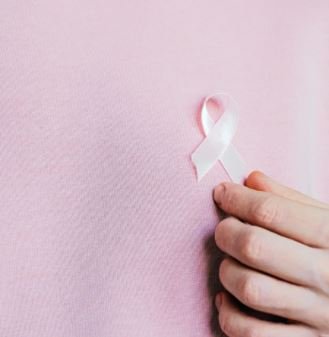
(234, 165)
(200, 167)
(204, 157)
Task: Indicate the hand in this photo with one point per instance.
(277, 242)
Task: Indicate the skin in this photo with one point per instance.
(276, 240)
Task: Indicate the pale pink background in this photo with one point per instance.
(104, 231)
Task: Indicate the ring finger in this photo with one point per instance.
(235, 323)
(267, 294)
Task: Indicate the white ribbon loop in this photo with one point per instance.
(218, 142)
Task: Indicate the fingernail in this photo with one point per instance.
(218, 301)
(264, 175)
(218, 191)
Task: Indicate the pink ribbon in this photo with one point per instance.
(217, 144)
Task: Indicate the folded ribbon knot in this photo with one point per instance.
(218, 142)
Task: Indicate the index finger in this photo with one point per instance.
(304, 223)
(257, 180)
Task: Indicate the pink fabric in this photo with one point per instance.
(104, 229)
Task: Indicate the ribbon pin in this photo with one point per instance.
(218, 142)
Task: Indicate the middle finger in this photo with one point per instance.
(269, 252)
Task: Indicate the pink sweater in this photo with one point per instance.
(104, 230)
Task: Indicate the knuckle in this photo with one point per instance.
(319, 274)
(323, 233)
(325, 317)
(249, 291)
(266, 211)
(251, 246)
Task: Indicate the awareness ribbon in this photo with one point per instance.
(217, 144)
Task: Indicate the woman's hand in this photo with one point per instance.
(277, 242)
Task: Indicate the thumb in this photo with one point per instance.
(257, 180)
